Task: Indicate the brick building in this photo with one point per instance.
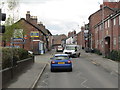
(36, 37)
(104, 27)
(57, 39)
(72, 38)
(71, 33)
(80, 38)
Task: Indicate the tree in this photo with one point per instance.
(9, 23)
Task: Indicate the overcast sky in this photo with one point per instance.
(60, 16)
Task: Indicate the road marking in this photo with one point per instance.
(94, 62)
(83, 83)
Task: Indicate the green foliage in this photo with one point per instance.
(12, 55)
(97, 52)
(114, 55)
(6, 58)
(10, 30)
(23, 54)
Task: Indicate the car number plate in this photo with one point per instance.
(61, 62)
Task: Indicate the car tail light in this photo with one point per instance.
(69, 61)
(53, 62)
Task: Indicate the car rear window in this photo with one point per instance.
(61, 57)
(70, 47)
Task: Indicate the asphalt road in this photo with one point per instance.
(85, 74)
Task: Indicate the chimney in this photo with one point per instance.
(34, 19)
(111, 4)
(74, 32)
(28, 16)
(40, 23)
(82, 28)
(119, 4)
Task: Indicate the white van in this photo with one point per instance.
(72, 50)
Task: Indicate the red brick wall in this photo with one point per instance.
(57, 39)
(111, 4)
(79, 39)
(116, 34)
(28, 28)
(95, 19)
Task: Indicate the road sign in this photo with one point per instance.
(18, 41)
(34, 34)
(18, 33)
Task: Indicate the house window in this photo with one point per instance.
(114, 21)
(114, 41)
(100, 27)
(97, 44)
(119, 42)
(108, 23)
(119, 19)
(102, 43)
(96, 30)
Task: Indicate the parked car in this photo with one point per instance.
(72, 50)
(59, 49)
(61, 62)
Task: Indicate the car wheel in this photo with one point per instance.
(52, 70)
(79, 55)
(76, 56)
(70, 69)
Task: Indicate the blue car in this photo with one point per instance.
(61, 62)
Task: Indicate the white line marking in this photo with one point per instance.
(83, 84)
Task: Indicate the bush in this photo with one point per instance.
(97, 52)
(10, 56)
(115, 55)
(6, 58)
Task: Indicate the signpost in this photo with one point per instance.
(18, 37)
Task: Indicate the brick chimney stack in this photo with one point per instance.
(34, 19)
(110, 4)
(28, 16)
(74, 32)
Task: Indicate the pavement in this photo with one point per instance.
(109, 65)
(29, 77)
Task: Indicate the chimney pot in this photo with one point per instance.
(28, 16)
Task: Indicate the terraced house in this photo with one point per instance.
(104, 26)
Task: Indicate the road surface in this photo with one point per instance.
(85, 74)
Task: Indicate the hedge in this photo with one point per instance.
(97, 52)
(10, 56)
(114, 55)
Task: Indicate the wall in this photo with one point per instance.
(10, 73)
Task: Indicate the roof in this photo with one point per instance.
(101, 9)
(45, 32)
(111, 16)
(31, 25)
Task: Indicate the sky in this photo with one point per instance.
(60, 16)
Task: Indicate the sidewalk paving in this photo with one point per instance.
(27, 79)
(107, 64)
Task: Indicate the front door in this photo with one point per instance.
(107, 46)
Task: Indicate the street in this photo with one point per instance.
(85, 74)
